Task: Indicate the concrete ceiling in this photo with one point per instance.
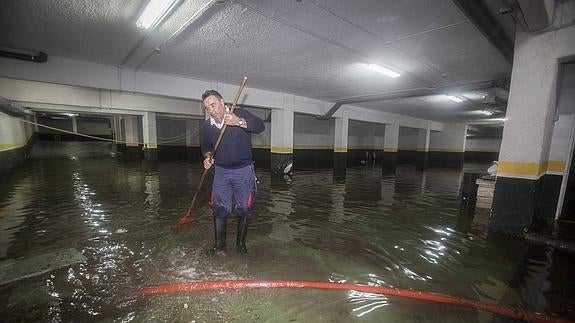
(312, 48)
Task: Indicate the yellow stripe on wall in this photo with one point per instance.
(446, 150)
(530, 169)
(282, 150)
(482, 151)
(4, 147)
(312, 147)
(364, 147)
(556, 166)
(340, 149)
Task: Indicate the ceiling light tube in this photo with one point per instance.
(384, 70)
(154, 13)
(454, 98)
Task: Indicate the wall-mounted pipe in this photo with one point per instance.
(39, 57)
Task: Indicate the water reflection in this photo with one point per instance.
(92, 213)
(152, 191)
(281, 201)
(13, 206)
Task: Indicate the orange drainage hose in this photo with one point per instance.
(430, 297)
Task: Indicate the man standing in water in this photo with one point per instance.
(234, 178)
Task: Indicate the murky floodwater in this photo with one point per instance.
(402, 231)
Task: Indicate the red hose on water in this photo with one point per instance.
(430, 297)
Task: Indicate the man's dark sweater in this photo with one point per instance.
(235, 148)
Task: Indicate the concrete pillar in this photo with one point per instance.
(75, 127)
(340, 145)
(114, 133)
(390, 145)
(150, 136)
(422, 149)
(74, 124)
(193, 139)
(523, 159)
(113, 129)
(36, 123)
(371, 144)
(446, 147)
(120, 135)
(131, 138)
(281, 142)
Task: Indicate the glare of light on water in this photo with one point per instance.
(83, 195)
(374, 301)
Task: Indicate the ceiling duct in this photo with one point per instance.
(414, 93)
(36, 57)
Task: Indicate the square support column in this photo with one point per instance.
(131, 135)
(281, 142)
(150, 136)
(340, 146)
(422, 149)
(521, 198)
(390, 145)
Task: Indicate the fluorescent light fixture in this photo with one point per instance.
(454, 98)
(155, 11)
(384, 70)
(71, 114)
(487, 112)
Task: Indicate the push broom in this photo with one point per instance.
(188, 216)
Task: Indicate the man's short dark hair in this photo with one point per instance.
(210, 93)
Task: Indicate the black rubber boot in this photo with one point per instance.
(220, 229)
(243, 223)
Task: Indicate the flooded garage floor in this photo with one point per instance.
(112, 224)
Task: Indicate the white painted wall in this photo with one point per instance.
(451, 139)
(408, 138)
(483, 144)
(562, 138)
(364, 135)
(263, 139)
(311, 133)
(564, 127)
(13, 133)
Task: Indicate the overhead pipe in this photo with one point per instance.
(39, 57)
